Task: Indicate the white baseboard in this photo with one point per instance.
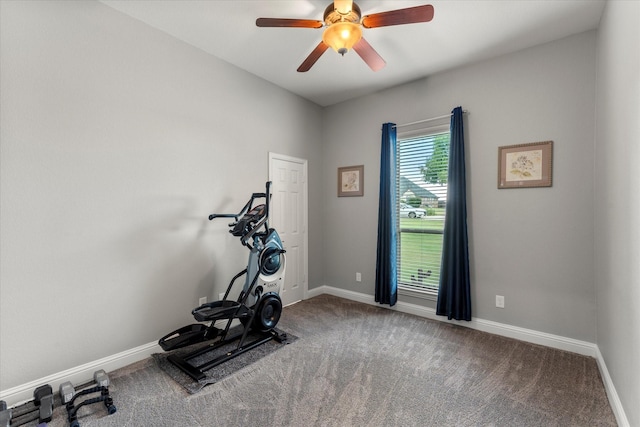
(612, 394)
(80, 374)
(528, 335)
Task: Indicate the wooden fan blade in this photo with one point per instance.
(409, 15)
(369, 55)
(313, 57)
(283, 22)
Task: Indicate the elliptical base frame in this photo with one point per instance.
(198, 372)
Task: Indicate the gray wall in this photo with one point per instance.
(617, 208)
(117, 142)
(534, 246)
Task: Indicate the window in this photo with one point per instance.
(423, 162)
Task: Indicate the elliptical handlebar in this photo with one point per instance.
(212, 216)
(249, 232)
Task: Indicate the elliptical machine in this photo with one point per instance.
(258, 307)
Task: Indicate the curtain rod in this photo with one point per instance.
(428, 120)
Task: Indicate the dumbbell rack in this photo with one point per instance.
(40, 408)
(69, 395)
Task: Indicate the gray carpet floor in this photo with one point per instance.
(359, 365)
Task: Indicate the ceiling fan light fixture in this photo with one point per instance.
(342, 36)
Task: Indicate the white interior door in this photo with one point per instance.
(288, 215)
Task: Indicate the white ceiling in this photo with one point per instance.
(461, 32)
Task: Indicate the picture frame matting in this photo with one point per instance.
(351, 181)
(525, 165)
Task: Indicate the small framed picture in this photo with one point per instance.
(351, 181)
(525, 165)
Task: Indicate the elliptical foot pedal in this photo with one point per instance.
(219, 310)
(185, 336)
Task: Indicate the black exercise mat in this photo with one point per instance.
(223, 370)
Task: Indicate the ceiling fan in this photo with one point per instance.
(343, 21)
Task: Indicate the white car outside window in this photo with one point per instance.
(408, 211)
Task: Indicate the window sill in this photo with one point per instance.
(413, 292)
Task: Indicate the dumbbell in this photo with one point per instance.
(5, 414)
(43, 399)
(100, 378)
(68, 391)
(40, 408)
(69, 395)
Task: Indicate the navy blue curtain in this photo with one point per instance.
(386, 277)
(454, 296)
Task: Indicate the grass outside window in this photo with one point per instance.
(420, 252)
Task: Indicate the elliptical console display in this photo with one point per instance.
(258, 307)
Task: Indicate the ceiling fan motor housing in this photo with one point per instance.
(333, 16)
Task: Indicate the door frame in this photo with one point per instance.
(305, 212)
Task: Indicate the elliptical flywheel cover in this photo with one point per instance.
(271, 263)
(269, 311)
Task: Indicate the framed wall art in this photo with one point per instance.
(351, 181)
(525, 165)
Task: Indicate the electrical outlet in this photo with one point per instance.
(499, 301)
(358, 277)
(221, 296)
(202, 300)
